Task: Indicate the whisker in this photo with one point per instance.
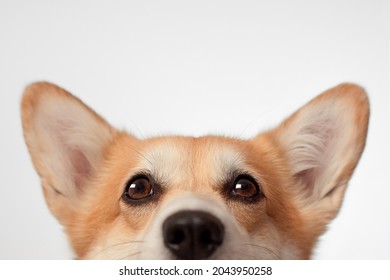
(142, 155)
(272, 252)
(127, 243)
(130, 255)
(251, 256)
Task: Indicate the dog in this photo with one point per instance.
(211, 197)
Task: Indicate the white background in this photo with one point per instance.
(194, 67)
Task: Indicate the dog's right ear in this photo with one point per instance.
(322, 143)
(66, 140)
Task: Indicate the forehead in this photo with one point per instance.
(179, 159)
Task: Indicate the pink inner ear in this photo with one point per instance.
(313, 150)
(81, 168)
(62, 130)
(307, 177)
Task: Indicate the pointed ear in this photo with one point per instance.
(322, 143)
(66, 141)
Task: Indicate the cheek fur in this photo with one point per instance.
(277, 185)
(137, 217)
(248, 216)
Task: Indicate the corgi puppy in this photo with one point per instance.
(212, 197)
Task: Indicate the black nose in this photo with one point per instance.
(192, 235)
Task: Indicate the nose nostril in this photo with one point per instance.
(206, 237)
(176, 237)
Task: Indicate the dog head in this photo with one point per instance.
(269, 197)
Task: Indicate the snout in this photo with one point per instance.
(192, 234)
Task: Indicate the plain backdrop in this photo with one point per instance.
(194, 67)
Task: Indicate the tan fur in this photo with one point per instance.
(301, 195)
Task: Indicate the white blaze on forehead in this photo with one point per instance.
(224, 160)
(178, 162)
(166, 161)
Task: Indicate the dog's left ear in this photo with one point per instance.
(67, 142)
(322, 143)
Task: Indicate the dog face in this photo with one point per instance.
(269, 197)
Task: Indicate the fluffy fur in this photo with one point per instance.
(302, 166)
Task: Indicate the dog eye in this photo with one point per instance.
(245, 187)
(137, 189)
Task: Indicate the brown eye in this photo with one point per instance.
(245, 187)
(138, 189)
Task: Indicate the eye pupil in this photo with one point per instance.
(139, 189)
(245, 188)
